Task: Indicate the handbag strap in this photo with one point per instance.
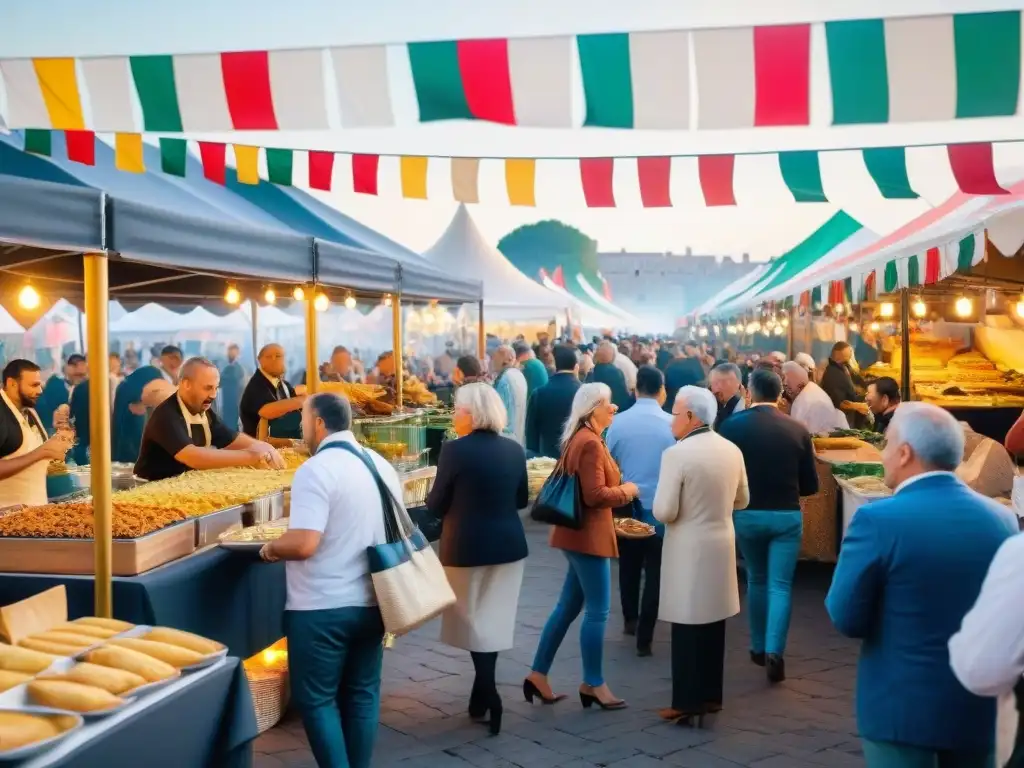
(393, 526)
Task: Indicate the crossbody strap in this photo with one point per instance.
(393, 527)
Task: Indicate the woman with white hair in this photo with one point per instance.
(480, 487)
(588, 550)
(703, 479)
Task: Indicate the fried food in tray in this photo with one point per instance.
(256, 534)
(200, 493)
(201, 645)
(150, 669)
(21, 729)
(109, 624)
(99, 633)
(362, 396)
(175, 655)
(10, 679)
(65, 638)
(628, 528)
(111, 680)
(75, 521)
(73, 697)
(51, 647)
(14, 658)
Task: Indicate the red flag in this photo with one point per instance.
(321, 170)
(214, 157)
(81, 146)
(364, 173)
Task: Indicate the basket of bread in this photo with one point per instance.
(629, 528)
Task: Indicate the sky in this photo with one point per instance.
(74, 28)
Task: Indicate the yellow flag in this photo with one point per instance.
(247, 163)
(59, 87)
(128, 153)
(520, 177)
(414, 177)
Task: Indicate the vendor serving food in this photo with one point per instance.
(25, 449)
(183, 433)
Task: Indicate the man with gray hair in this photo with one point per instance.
(910, 569)
(606, 372)
(511, 386)
(810, 405)
(727, 387)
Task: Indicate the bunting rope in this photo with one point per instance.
(930, 172)
(901, 70)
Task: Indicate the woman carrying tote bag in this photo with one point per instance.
(588, 550)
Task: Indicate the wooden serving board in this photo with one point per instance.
(75, 556)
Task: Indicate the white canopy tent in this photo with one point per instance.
(509, 295)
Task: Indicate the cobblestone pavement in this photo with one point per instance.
(807, 721)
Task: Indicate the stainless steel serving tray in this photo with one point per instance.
(265, 509)
(210, 527)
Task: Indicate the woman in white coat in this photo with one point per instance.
(702, 480)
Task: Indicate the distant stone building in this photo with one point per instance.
(660, 287)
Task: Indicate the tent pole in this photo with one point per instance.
(312, 362)
(254, 308)
(396, 346)
(97, 296)
(904, 344)
(481, 335)
(791, 314)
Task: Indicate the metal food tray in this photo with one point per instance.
(416, 485)
(30, 750)
(265, 509)
(252, 547)
(210, 527)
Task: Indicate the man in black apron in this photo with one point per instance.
(269, 396)
(183, 433)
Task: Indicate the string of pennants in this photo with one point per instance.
(893, 70)
(604, 182)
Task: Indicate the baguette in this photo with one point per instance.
(101, 633)
(16, 659)
(66, 638)
(174, 655)
(10, 679)
(74, 697)
(150, 669)
(48, 646)
(184, 640)
(111, 680)
(115, 624)
(19, 729)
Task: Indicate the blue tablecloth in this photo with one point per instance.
(233, 598)
(209, 723)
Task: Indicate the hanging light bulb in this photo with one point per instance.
(703, 332)
(28, 298)
(1020, 307)
(387, 300)
(350, 301)
(779, 330)
(232, 295)
(854, 327)
(875, 326)
(838, 309)
(270, 295)
(964, 307)
(298, 293)
(887, 309)
(919, 308)
(785, 322)
(321, 302)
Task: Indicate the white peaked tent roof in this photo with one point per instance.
(508, 293)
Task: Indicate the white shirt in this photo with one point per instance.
(628, 369)
(813, 408)
(334, 494)
(987, 654)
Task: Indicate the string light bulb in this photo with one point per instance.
(350, 301)
(785, 322)
(919, 308)
(321, 302)
(887, 309)
(232, 295)
(838, 309)
(1020, 307)
(779, 330)
(964, 307)
(854, 327)
(270, 295)
(702, 332)
(29, 298)
(387, 300)
(298, 293)
(875, 326)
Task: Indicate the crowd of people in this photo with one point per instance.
(716, 455)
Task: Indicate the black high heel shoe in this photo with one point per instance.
(531, 691)
(477, 707)
(496, 712)
(589, 699)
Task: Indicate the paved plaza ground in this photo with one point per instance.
(806, 721)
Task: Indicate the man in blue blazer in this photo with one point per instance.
(910, 568)
(549, 406)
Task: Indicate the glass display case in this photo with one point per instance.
(401, 439)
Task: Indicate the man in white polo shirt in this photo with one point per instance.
(334, 628)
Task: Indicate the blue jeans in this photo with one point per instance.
(770, 545)
(883, 754)
(587, 587)
(334, 662)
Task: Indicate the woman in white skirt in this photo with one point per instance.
(480, 487)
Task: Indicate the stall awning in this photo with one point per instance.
(51, 215)
(355, 268)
